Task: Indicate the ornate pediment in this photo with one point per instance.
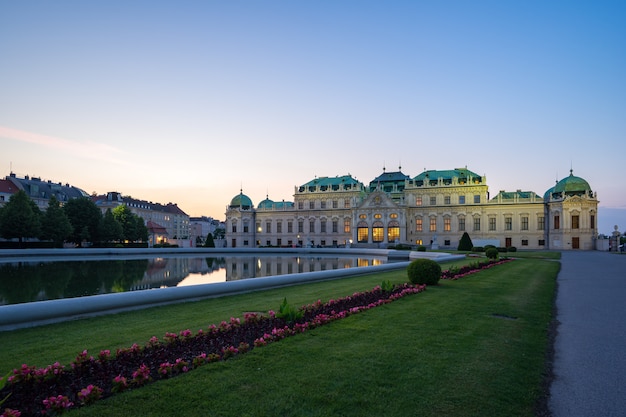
(378, 200)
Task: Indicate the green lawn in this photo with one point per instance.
(470, 347)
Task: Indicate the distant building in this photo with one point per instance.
(433, 209)
(39, 191)
(166, 223)
(200, 227)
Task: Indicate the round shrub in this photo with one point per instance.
(421, 248)
(424, 271)
(492, 253)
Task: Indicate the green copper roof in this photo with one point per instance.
(330, 183)
(447, 175)
(572, 185)
(241, 200)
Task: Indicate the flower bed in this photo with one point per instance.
(56, 388)
(457, 273)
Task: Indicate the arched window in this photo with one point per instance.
(362, 232)
(378, 234)
(393, 231)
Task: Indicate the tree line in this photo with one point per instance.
(77, 221)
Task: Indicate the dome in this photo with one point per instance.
(241, 200)
(568, 186)
(266, 204)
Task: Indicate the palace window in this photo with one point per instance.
(346, 203)
(393, 216)
(362, 216)
(268, 227)
(311, 205)
(446, 200)
(362, 232)
(462, 224)
(323, 204)
(418, 200)
(378, 216)
(335, 204)
(492, 223)
(312, 226)
(575, 222)
(335, 226)
(393, 231)
(433, 224)
(461, 199)
(346, 226)
(433, 201)
(508, 223)
(279, 226)
(557, 221)
(323, 226)
(592, 220)
(446, 224)
(542, 242)
(300, 205)
(377, 232)
(300, 226)
(477, 199)
(524, 242)
(418, 225)
(541, 223)
(476, 223)
(525, 223)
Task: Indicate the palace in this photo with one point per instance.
(433, 209)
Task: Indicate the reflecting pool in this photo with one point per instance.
(28, 281)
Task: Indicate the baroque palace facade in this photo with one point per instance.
(433, 209)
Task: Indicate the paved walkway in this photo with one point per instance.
(590, 347)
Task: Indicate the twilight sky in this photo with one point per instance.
(189, 101)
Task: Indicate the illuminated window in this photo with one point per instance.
(433, 224)
(418, 201)
(393, 216)
(362, 232)
(492, 223)
(377, 232)
(418, 225)
(525, 223)
(362, 216)
(446, 224)
(346, 226)
(346, 203)
(378, 216)
(393, 231)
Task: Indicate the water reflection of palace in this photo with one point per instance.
(168, 272)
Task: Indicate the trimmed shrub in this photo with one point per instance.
(512, 249)
(502, 249)
(421, 248)
(492, 253)
(489, 246)
(424, 271)
(478, 249)
(465, 244)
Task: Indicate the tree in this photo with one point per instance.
(209, 243)
(85, 218)
(110, 229)
(126, 218)
(20, 218)
(55, 225)
(219, 233)
(465, 244)
(141, 229)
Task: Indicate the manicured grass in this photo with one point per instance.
(470, 347)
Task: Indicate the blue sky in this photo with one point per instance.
(190, 101)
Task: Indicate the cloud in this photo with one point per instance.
(91, 150)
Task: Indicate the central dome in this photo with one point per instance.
(569, 186)
(241, 201)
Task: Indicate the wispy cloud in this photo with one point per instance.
(91, 150)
